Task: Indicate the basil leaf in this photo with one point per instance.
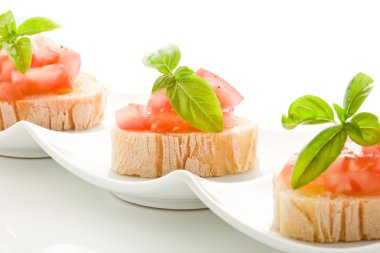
(340, 112)
(182, 72)
(36, 25)
(364, 129)
(20, 53)
(165, 60)
(308, 110)
(356, 92)
(318, 155)
(194, 100)
(162, 82)
(353, 130)
(7, 24)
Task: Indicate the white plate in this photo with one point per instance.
(87, 154)
(248, 206)
(244, 201)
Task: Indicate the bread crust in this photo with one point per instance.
(81, 109)
(153, 155)
(316, 218)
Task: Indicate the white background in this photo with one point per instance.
(271, 51)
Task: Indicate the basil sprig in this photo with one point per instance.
(192, 97)
(362, 128)
(14, 39)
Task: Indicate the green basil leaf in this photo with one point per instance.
(340, 112)
(182, 72)
(318, 155)
(7, 24)
(194, 100)
(20, 53)
(353, 130)
(364, 129)
(356, 92)
(308, 110)
(165, 60)
(162, 82)
(36, 25)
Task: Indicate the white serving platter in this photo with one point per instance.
(244, 201)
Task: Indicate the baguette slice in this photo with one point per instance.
(81, 109)
(316, 218)
(153, 155)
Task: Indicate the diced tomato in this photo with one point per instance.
(169, 122)
(136, 117)
(372, 150)
(228, 119)
(50, 79)
(43, 54)
(6, 68)
(71, 60)
(351, 174)
(159, 102)
(228, 96)
(133, 117)
(160, 116)
(9, 92)
(47, 52)
(52, 71)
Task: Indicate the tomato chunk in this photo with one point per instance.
(43, 52)
(159, 115)
(71, 60)
(6, 68)
(159, 102)
(133, 117)
(50, 79)
(227, 95)
(169, 122)
(9, 92)
(46, 52)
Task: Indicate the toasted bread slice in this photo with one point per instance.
(81, 109)
(153, 155)
(323, 218)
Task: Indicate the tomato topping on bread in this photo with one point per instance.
(159, 116)
(355, 172)
(53, 71)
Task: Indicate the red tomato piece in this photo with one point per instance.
(6, 68)
(71, 60)
(9, 92)
(50, 79)
(228, 96)
(228, 119)
(169, 122)
(159, 102)
(133, 117)
(45, 52)
(372, 150)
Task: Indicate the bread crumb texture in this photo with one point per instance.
(326, 219)
(153, 155)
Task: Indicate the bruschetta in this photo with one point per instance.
(153, 140)
(52, 93)
(340, 205)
